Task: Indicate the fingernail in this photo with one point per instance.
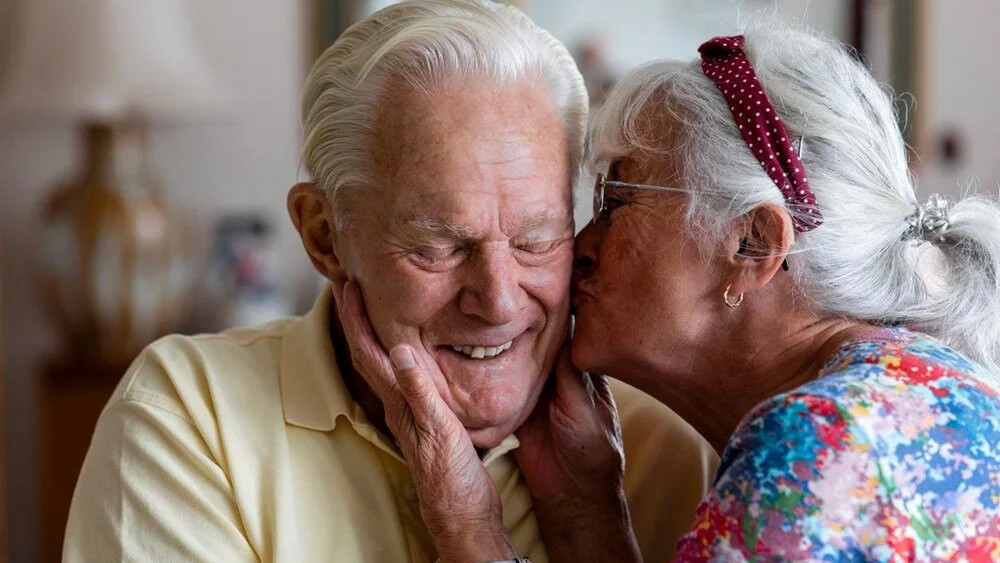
(402, 357)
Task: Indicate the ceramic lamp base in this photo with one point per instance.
(113, 274)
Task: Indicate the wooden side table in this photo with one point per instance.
(3, 496)
(71, 397)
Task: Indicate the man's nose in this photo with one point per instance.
(585, 252)
(492, 290)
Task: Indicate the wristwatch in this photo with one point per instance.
(514, 560)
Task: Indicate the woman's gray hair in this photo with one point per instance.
(859, 263)
(422, 43)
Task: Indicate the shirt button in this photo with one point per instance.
(410, 492)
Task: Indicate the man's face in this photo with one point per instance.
(464, 247)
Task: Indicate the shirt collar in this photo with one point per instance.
(313, 393)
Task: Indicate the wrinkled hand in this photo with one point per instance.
(458, 500)
(573, 459)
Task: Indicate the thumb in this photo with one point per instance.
(414, 383)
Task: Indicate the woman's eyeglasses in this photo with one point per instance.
(602, 183)
(601, 206)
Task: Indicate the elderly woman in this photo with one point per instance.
(758, 261)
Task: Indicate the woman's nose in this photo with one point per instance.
(585, 254)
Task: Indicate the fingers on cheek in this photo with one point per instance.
(431, 421)
(352, 334)
(399, 419)
(352, 312)
(409, 385)
(365, 365)
(372, 354)
(395, 423)
(417, 385)
(427, 425)
(566, 419)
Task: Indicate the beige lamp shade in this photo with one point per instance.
(99, 60)
(114, 272)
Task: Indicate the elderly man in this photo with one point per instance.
(443, 138)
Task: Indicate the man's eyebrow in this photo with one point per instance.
(426, 226)
(545, 218)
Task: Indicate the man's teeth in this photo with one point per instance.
(483, 352)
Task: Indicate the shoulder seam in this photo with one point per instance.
(238, 342)
(157, 402)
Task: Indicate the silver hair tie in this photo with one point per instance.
(929, 221)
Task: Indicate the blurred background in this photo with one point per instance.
(146, 147)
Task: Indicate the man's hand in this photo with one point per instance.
(573, 460)
(458, 500)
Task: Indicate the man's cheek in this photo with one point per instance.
(551, 284)
(391, 331)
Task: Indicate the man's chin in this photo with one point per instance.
(494, 414)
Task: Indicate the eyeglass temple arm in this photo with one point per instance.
(617, 184)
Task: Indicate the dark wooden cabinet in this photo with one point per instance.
(72, 397)
(3, 478)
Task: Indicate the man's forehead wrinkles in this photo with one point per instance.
(453, 229)
(512, 163)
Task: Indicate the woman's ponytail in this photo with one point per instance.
(964, 311)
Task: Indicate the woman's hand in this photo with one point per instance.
(459, 503)
(571, 456)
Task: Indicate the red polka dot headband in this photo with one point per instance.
(723, 60)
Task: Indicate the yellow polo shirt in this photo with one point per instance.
(246, 446)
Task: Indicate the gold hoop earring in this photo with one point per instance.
(731, 304)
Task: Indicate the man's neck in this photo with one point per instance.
(356, 385)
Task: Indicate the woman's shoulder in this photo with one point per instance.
(894, 380)
(897, 441)
(897, 428)
(886, 393)
(901, 356)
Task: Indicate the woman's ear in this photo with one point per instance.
(313, 218)
(761, 242)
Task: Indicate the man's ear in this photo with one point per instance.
(759, 246)
(313, 218)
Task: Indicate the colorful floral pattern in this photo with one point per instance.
(891, 454)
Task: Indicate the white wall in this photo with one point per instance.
(246, 162)
(962, 76)
(962, 88)
(636, 31)
(632, 32)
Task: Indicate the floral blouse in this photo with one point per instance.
(891, 454)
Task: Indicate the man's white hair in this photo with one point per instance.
(422, 43)
(857, 264)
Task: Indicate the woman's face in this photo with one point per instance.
(644, 293)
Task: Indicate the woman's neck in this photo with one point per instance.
(723, 382)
